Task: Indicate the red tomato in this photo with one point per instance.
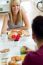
(14, 37)
(17, 37)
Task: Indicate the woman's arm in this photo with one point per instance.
(25, 20)
(5, 22)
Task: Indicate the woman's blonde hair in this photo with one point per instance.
(19, 13)
(16, 1)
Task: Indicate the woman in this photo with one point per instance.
(17, 17)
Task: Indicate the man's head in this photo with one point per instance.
(37, 28)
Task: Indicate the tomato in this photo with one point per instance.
(13, 37)
(17, 37)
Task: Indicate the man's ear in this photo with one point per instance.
(33, 36)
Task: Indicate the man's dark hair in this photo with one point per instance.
(37, 27)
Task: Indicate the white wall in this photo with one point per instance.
(31, 9)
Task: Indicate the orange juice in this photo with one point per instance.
(22, 57)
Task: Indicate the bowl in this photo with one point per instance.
(14, 35)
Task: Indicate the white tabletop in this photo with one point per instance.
(15, 45)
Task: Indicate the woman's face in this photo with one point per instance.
(15, 8)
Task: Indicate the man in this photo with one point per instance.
(36, 58)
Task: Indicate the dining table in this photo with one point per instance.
(14, 46)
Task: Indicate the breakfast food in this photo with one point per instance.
(20, 32)
(17, 34)
(16, 58)
(12, 63)
(25, 33)
(14, 35)
(4, 50)
(13, 58)
(24, 49)
(22, 57)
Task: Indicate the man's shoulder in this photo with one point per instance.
(32, 54)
